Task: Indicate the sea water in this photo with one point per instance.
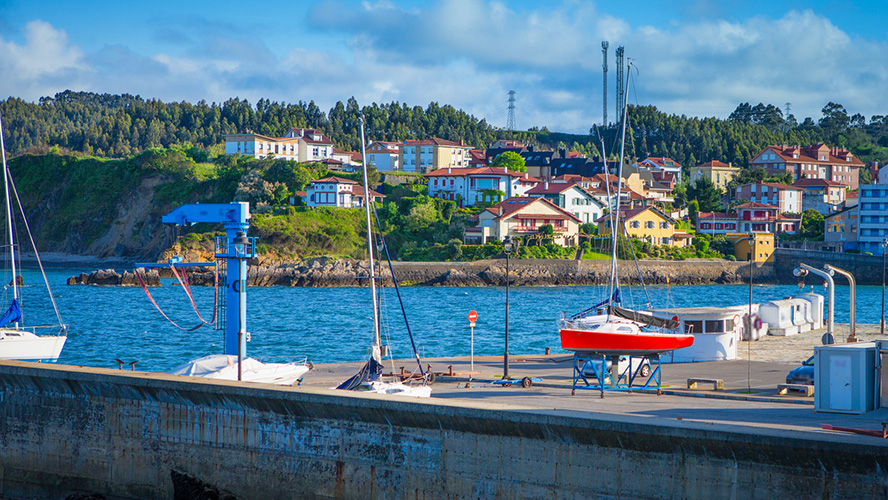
(326, 325)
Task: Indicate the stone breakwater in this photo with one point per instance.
(323, 272)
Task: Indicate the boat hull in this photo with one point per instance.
(617, 343)
(20, 345)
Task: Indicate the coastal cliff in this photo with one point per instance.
(323, 272)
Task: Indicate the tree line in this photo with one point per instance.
(118, 126)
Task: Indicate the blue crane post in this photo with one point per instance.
(235, 217)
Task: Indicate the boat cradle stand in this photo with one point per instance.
(613, 380)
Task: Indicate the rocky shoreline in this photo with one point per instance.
(323, 272)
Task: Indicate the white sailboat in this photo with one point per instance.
(18, 342)
(369, 377)
(224, 367)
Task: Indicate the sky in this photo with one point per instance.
(696, 58)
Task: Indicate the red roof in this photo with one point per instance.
(552, 187)
(755, 204)
(773, 185)
(852, 194)
(512, 205)
(629, 213)
(359, 191)
(661, 161)
(335, 180)
(817, 182)
(811, 154)
(466, 171)
(715, 215)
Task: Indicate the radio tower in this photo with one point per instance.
(511, 123)
(604, 46)
(621, 94)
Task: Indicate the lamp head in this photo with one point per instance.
(508, 244)
(240, 242)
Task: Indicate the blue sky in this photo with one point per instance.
(698, 58)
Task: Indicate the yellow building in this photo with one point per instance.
(763, 245)
(649, 224)
(719, 173)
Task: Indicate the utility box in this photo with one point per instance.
(845, 378)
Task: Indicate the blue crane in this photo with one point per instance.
(236, 248)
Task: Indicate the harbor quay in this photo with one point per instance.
(125, 434)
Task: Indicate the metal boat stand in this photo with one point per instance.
(612, 380)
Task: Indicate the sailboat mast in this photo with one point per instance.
(619, 189)
(377, 341)
(8, 215)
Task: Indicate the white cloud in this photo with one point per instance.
(469, 54)
(34, 69)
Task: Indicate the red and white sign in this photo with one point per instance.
(473, 316)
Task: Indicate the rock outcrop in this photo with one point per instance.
(323, 272)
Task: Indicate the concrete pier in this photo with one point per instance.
(123, 434)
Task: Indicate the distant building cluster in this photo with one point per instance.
(564, 190)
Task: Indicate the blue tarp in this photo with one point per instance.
(13, 314)
(369, 372)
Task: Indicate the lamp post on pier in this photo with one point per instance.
(510, 246)
(241, 246)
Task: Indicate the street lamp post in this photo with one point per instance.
(241, 244)
(509, 245)
(749, 321)
(884, 248)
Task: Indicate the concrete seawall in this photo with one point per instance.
(69, 429)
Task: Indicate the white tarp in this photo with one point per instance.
(224, 367)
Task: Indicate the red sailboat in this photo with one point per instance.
(607, 329)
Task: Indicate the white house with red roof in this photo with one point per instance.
(383, 155)
(299, 144)
(337, 192)
(717, 223)
(818, 161)
(470, 186)
(571, 197)
(662, 164)
(522, 217)
(785, 197)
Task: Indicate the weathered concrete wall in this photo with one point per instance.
(67, 429)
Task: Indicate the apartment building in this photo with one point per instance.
(818, 161)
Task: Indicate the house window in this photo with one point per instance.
(649, 224)
(664, 225)
(635, 224)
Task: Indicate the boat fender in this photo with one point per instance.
(736, 319)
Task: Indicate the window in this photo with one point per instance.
(635, 224)
(693, 326)
(649, 224)
(664, 225)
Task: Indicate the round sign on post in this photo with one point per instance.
(473, 316)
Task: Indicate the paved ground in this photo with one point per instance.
(749, 403)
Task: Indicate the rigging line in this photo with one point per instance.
(398, 292)
(187, 287)
(145, 287)
(638, 269)
(36, 253)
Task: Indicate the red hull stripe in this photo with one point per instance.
(586, 340)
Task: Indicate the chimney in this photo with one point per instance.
(448, 169)
(546, 185)
(525, 175)
(562, 152)
(499, 211)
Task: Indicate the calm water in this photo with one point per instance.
(331, 325)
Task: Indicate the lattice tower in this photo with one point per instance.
(511, 123)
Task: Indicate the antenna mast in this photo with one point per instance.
(511, 123)
(604, 46)
(621, 91)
